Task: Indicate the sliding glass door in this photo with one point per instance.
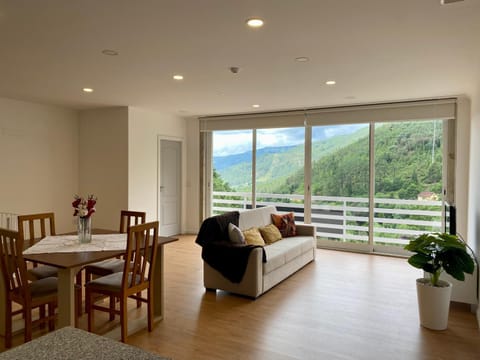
(367, 186)
(408, 182)
(279, 169)
(340, 185)
(231, 171)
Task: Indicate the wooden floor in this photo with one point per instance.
(342, 306)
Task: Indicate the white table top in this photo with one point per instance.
(70, 243)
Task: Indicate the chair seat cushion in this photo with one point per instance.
(43, 287)
(43, 271)
(112, 282)
(106, 267)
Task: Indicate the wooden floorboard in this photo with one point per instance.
(342, 306)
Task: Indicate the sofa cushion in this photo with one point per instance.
(270, 233)
(253, 237)
(285, 223)
(284, 251)
(235, 234)
(256, 217)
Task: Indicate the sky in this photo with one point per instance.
(239, 141)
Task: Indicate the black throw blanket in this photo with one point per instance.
(217, 251)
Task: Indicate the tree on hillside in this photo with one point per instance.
(219, 184)
(405, 165)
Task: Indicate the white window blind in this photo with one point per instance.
(439, 109)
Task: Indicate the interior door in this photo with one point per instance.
(170, 186)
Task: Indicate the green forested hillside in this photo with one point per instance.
(403, 165)
(274, 168)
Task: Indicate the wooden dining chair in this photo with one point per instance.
(137, 275)
(110, 266)
(29, 295)
(33, 228)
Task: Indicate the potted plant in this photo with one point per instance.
(435, 253)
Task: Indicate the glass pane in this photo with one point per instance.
(232, 170)
(408, 180)
(340, 182)
(279, 172)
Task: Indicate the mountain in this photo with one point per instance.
(276, 164)
(405, 165)
(223, 162)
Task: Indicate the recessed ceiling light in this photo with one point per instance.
(87, 90)
(178, 77)
(302, 59)
(255, 22)
(330, 82)
(255, 105)
(109, 52)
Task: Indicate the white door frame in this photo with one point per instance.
(159, 173)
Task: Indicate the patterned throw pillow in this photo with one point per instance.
(270, 234)
(253, 237)
(235, 234)
(285, 223)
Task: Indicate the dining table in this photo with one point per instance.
(70, 263)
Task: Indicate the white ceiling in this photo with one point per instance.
(376, 50)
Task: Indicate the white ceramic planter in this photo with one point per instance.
(433, 303)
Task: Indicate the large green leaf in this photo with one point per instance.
(419, 260)
(457, 262)
(436, 251)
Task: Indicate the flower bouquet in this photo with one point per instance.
(84, 208)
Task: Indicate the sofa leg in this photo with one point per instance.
(210, 289)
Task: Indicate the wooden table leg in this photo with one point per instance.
(66, 297)
(159, 289)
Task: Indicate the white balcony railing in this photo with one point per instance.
(346, 218)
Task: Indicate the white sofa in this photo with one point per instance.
(284, 257)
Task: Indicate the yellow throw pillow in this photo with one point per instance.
(253, 237)
(270, 234)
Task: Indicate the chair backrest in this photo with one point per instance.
(140, 256)
(34, 227)
(129, 218)
(12, 264)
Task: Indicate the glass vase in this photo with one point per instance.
(84, 230)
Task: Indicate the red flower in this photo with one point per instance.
(84, 208)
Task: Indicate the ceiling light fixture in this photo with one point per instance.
(178, 77)
(255, 22)
(302, 59)
(87, 90)
(255, 105)
(109, 52)
(330, 82)
(446, 2)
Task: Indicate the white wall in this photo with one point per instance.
(144, 129)
(38, 160)
(103, 164)
(193, 182)
(462, 171)
(474, 210)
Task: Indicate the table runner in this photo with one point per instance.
(70, 243)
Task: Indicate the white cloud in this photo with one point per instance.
(231, 142)
(240, 141)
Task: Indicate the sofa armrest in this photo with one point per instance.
(306, 230)
(252, 281)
